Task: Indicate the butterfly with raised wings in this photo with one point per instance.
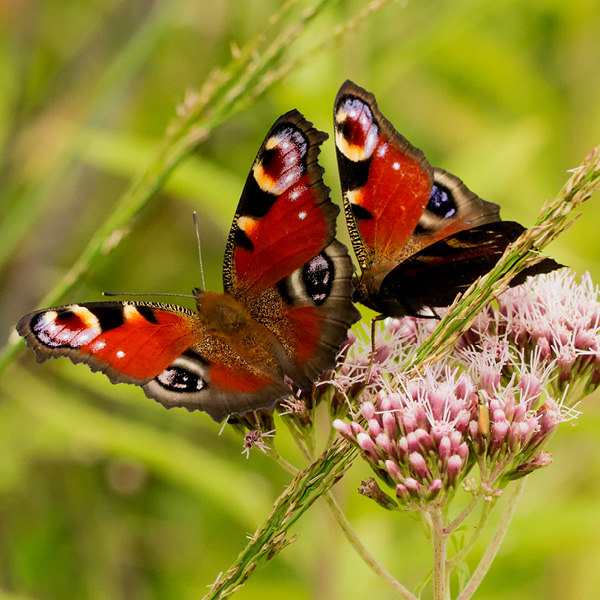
(420, 235)
(285, 310)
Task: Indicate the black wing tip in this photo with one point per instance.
(349, 88)
(546, 265)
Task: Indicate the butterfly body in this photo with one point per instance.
(285, 309)
(420, 235)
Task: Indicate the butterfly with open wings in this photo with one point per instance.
(420, 235)
(285, 310)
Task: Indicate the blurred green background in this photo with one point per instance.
(103, 493)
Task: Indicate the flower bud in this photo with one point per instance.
(444, 449)
(367, 410)
(453, 470)
(394, 470)
(367, 445)
(374, 427)
(384, 443)
(419, 466)
(388, 421)
(343, 428)
(413, 488)
(434, 489)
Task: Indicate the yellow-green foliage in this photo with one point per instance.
(103, 493)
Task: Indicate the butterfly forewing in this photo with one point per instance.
(385, 180)
(282, 261)
(130, 342)
(284, 217)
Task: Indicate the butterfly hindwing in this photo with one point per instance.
(220, 389)
(420, 235)
(316, 313)
(434, 276)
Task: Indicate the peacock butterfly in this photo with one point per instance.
(420, 235)
(285, 310)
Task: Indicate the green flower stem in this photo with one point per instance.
(439, 555)
(362, 551)
(490, 553)
(305, 445)
(284, 464)
(466, 549)
(449, 529)
(345, 525)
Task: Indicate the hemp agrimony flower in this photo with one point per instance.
(494, 402)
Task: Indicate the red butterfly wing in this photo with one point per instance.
(395, 202)
(165, 349)
(420, 235)
(129, 342)
(316, 313)
(284, 217)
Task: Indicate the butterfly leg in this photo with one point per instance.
(373, 321)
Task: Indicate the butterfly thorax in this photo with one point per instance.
(230, 333)
(222, 314)
(368, 284)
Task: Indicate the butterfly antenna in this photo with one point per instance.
(199, 249)
(147, 294)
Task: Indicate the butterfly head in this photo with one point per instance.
(198, 293)
(367, 286)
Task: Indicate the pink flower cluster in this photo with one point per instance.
(553, 319)
(423, 440)
(494, 403)
(416, 439)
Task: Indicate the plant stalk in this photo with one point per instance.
(490, 553)
(439, 555)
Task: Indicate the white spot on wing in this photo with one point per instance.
(120, 354)
(302, 215)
